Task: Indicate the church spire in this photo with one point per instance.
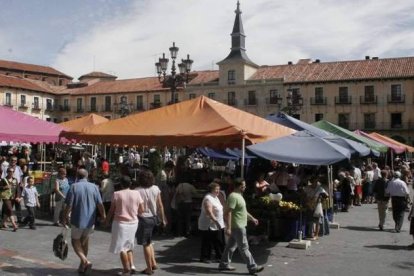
(238, 38)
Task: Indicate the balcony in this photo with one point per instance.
(318, 101)
(49, 108)
(7, 104)
(396, 99)
(369, 125)
(343, 100)
(250, 101)
(368, 100)
(92, 108)
(107, 108)
(79, 109)
(275, 100)
(231, 102)
(64, 108)
(155, 105)
(23, 106)
(36, 107)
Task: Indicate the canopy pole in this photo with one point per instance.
(243, 157)
(392, 160)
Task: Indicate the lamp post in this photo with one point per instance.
(124, 108)
(173, 80)
(294, 102)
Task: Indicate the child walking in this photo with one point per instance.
(31, 201)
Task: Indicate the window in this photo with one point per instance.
(108, 103)
(343, 120)
(295, 96)
(79, 105)
(369, 120)
(369, 94)
(22, 100)
(343, 94)
(191, 96)
(176, 100)
(8, 99)
(49, 105)
(157, 98)
(231, 77)
(319, 95)
(396, 94)
(140, 102)
(212, 95)
(396, 120)
(48, 119)
(36, 103)
(274, 97)
(66, 105)
(93, 104)
(318, 117)
(231, 98)
(65, 119)
(251, 100)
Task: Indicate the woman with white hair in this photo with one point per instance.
(399, 193)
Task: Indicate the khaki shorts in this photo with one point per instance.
(78, 233)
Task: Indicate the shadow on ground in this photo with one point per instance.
(390, 247)
(361, 228)
(41, 271)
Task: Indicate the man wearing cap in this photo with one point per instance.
(399, 193)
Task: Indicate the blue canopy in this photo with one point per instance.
(355, 147)
(219, 154)
(302, 147)
(238, 153)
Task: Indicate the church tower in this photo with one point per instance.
(236, 68)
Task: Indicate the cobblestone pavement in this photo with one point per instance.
(358, 248)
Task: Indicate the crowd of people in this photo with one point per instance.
(134, 199)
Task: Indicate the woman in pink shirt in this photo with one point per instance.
(126, 206)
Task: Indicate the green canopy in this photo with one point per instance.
(330, 127)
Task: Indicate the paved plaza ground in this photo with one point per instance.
(358, 248)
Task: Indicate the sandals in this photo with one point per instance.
(145, 271)
(85, 269)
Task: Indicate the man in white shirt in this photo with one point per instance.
(399, 193)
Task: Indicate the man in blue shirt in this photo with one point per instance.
(81, 202)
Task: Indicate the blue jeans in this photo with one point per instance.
(238, 239)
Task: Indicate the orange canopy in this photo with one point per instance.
(392, 141)
(197, 122)
(76, 125)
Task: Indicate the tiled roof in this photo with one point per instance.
(52, 89)
(12, 65)
(387, 68)
(204, 77)
(96, 74)
(18, 83)
(120, 86)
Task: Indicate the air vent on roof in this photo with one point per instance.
(317, 61)
(290, 63)
(366, 57)
(374, 57)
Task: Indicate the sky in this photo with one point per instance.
(126, 37)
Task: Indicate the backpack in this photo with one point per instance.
(60, 246)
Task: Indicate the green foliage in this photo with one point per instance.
(155, 162)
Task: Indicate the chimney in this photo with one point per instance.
(290, 63)
(376, 58)
(366, 57)
(317, 61)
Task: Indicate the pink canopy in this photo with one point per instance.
(393, 146)
(19, 127)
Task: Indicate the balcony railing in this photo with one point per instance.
(276, 100)
(155, 105)
(36, 107)
(396, 99)
(318, 100)
(250, 101)
(92, 108)
(368, 100)
(369, 125)
(49, 108)
(231, 102)
(7, 104)
(23, 106)
(139, 107)
(106, 108)
(64, 108)
(79, 109)
(343, 100)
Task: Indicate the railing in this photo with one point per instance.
(343, 100)
(231, 102)
(368, 100)
(155, 105)
(250, 101)
(79, 110)
(23, 106)
(274, 100)
(49, 108)
(106, 108)
(377, 126)
(64, 108)
(396, 99)
(7, 104)
(318, 101)
(36, 107)
(92, 108)
(369, 125)
(139, 107)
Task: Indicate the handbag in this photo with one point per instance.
(318, 212)
(157, 220)
(60, 245)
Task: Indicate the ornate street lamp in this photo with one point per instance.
(173, 80)
(123, 107)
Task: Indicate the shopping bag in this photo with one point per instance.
(60, 245)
